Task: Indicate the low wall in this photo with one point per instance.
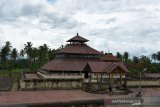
(76, 84)
(50, 84)
(144, 83)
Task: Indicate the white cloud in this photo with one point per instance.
(117, 25)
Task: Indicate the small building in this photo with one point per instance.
(76, 64)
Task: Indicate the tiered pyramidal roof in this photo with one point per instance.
(77, 38)
(76, 55)
(77, 46)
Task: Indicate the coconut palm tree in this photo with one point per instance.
(43, 53)
(119, 56)
(51, 54)
(154, 57)
(144, 59)
(22, 53)
(125, 57)
(46, 48)
(34, 54)
(28, 49)
(158, 56)
(5, 54)
(135, 59)
(5, 51)
(14, 55)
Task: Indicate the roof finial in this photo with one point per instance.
(77, 34)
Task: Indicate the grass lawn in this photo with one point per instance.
(9, 80)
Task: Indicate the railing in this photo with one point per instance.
(61, 76)
(106, 76)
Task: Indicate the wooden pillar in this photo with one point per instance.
(112, 80)
(90, 77)
(97, 77)
(120, 79)
(109, 80)
(101, 77)
(63, 72)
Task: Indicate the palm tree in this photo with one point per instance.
(28, 49)
(158, 56)
(5, 51)
(34, 57)
(51, 54)
(8, 46)
(154, 57)
(125, 56)
(34, 54)
(145, 59)
(22, 53)
(119, 56)
(135, 59)
(43, 53)
(46, 51)
(3, 55)
(14, 55)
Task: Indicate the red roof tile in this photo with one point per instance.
(110, 58)
(78, 49)
(77, 64)
(77, 38)
(80, 64)
(72, 64)
(106, 66)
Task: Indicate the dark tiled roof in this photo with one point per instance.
(110, 58)
(77, 64)
(80, 64)
(78, 49)
(106, 66)
(77, 38)
(72, 64)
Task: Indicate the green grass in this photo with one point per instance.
(12, 72)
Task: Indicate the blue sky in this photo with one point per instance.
(51, 1)
(114, 25)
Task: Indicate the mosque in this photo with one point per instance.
(74, 65)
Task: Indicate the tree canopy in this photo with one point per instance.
(34, 57)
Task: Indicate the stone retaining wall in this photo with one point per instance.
(145, 83)
(50, 84)
(76, 84)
